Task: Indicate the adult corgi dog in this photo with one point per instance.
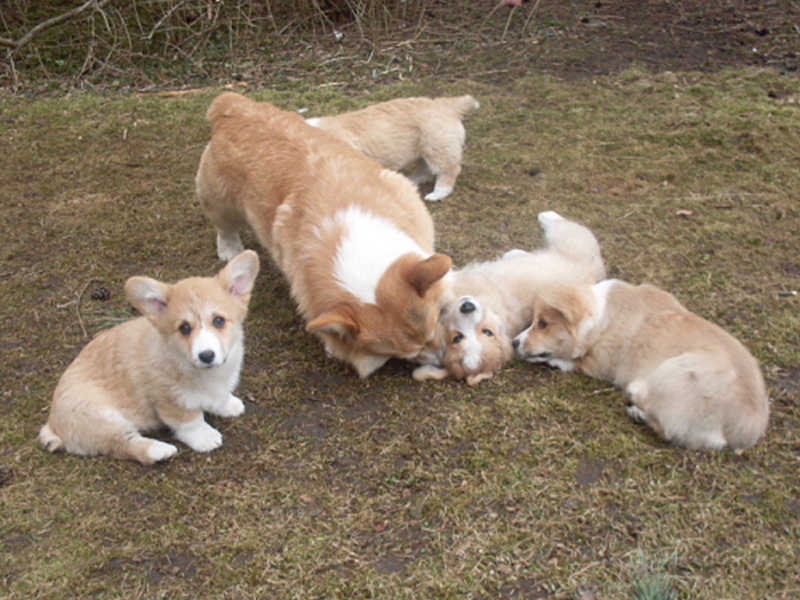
(493, 301)
(685, 377)
(423, 135)
(354, 240)
(165, 368)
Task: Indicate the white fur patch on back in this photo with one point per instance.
(313, 121)
(368, 247)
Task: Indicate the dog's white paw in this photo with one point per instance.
(438, 194)
(229, 245)
(549, 218)
(159, 451)
(564, 365)
(635, 413)
(232, 408)
(425, 372)
(199, 436)
(513, 254)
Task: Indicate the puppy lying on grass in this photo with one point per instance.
(685, 377)
(493, 301)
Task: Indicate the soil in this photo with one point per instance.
(602, 37)
(489, 41)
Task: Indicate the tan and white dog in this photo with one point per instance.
(165, 368)
(685, 377)
(493, 301)
(424, 135)
(354, 240)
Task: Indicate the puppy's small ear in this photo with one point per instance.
(239, 275)
(148, 296)
(340, 322)
(567, 300)
(422, 275)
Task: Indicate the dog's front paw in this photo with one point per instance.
(232, 408)
(563, 365)
(199, 436)
(229, 245)
(425, 372)
(159, 451)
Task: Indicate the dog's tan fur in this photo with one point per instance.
(685, 377)
(425, 135)
(145, 373)
(474, 344)
(307, 196)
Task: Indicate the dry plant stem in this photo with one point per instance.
(25, 39)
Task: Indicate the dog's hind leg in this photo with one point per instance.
(445, 182)
(421, 173)
(147, 451)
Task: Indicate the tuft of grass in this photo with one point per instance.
(649, 578)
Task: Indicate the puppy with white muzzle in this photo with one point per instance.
(688, 379)
(165, 368)
(493, 301)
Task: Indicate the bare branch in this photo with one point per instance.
(25, 39)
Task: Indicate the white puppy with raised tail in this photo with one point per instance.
(492, 301)
(165, 368)
(685, 377)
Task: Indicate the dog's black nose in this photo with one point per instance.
(206, 356)
(467, 307)
(515, 343)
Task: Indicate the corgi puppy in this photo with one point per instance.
(493, 301)
(164, 368)
(423, 135)
(685, 377)
(354, 240)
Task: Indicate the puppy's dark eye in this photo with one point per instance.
(457, 338)
(185, 329)
(218, 322)
(488, 332)
(542, 324)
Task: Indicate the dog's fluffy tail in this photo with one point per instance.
(463, 105)
(574, 241)
(49, 439)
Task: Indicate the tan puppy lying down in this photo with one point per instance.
(354, 240)
(685, 377)
(493, 301)
(423, 133)
(165, 368)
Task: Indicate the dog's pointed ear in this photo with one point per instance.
(567, 300)
(341, 322)
(239, 275)
(148, 296)
(423, 274)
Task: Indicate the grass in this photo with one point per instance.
(533, 484)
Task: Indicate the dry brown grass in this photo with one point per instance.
(533, 484)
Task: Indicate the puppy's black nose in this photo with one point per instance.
(467, 307)
(515, 343)
(206, 356)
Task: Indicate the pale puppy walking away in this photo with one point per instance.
(423, 136)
